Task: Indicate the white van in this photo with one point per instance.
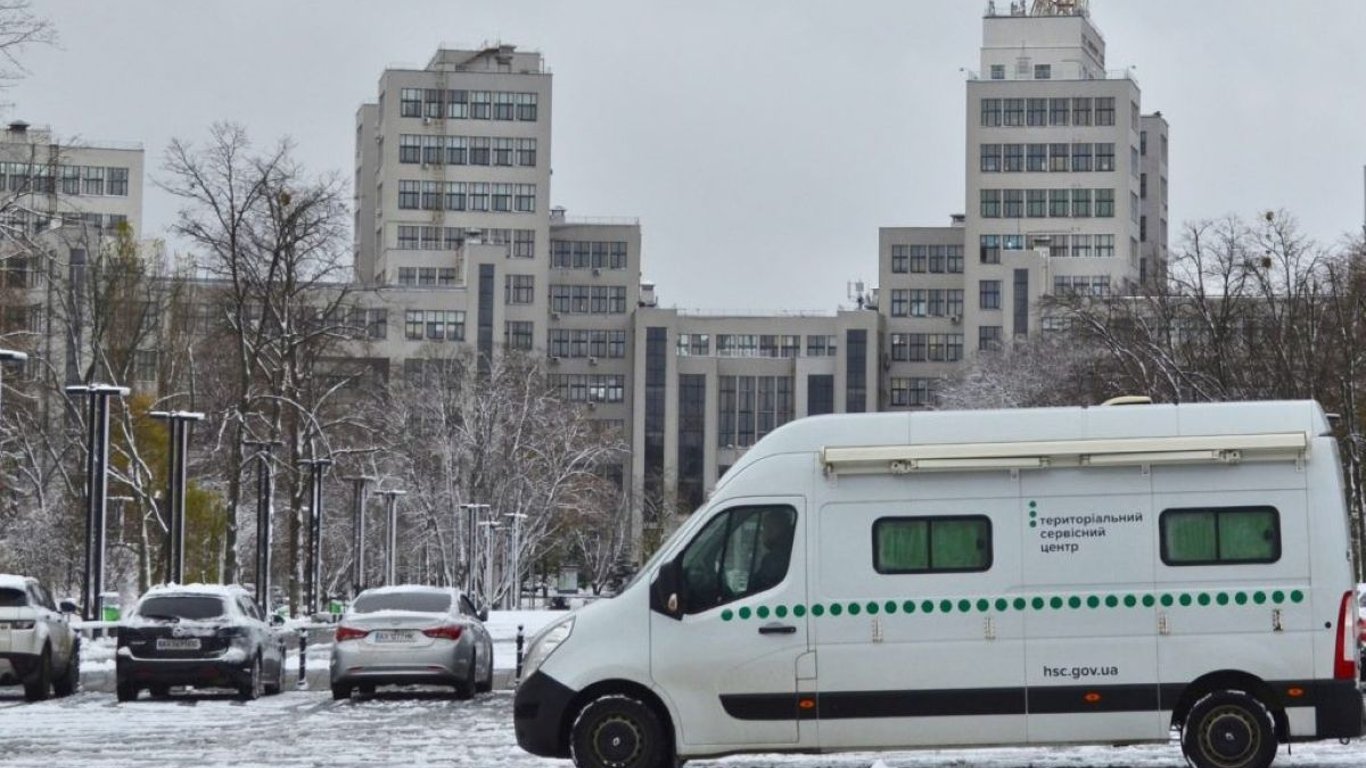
(1044, 576)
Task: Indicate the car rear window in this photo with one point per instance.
(191, 607)
(422, 602)
(13, 598)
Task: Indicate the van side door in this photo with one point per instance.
(724, 647)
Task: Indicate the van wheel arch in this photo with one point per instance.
(617, 688)
(1233, 680)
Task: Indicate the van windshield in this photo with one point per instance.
(668, 544)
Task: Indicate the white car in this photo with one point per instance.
(38, 646)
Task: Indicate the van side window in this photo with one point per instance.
(958, 544)
(1220, 535)
(740, 552)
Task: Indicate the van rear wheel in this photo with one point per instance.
(619, 732)
(1229, 729)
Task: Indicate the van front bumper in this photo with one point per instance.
(538, 716)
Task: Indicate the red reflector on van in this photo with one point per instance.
(1092, 697)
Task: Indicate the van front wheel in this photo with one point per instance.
(1229, 729)
(619, 732)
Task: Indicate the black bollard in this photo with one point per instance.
(302, 682)
(521, 640)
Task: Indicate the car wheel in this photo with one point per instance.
(70, 679)
(487, 684)
(252, 688)
(125, 692)
(340, 692)
(464, 689)
(619, 732)
(39, 684)
(278, 684)
(1229, 729)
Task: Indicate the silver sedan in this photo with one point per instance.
(406, 635)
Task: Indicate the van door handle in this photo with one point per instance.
(777, 629)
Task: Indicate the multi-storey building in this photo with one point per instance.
(1062, 195)
(59, 200)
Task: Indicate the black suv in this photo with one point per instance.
(201, 635)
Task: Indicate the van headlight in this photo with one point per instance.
(544, 643)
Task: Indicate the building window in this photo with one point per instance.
(457, 150)
(991, 203)
(932, 544)
(1081, 157)
(409, 148)
(1220, 535)
(998, 71)
(92, 180)
(1013, 207)
(1105, 111)
(517, 334)
(990, 251)
(481, 107)
(1036, 203)
(991, 113)
(503, 108)
(431, 195)
(955, 260)
(1081, 203)
(1037, 112)
(1105, 246)
(524, 243)
(1014, 158)
(457, 104)
(1059, 203)
(1013, 112)
(410, 102)
(118, 181)
(1059, 158)
(1037, 159)
(1105, 157)
(1058, 111)
(409, 194)
(1081, 246)
(901, 259)
(1081, 111)
(989, 338)
(525, 198)
(1105, 203)
(502, 198)
(901, 302)
(519, 289)
(989, 293)
(526, 152)
(991, 158)
(917, 304)
(526, 107)
(1043, 71)
(502, 151)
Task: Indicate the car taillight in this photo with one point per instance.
(350, 633)
(451, 632)
(1345, 655)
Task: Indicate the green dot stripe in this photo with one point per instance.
(967, 605)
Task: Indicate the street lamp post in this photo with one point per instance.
(9, 356)
(313, 576)
(264, 448)
(175, 489)
(391, 534)
(489, 526)
(358, 483)
(516, 558)
(97, 486)
(471, 531)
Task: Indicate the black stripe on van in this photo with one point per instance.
(1050, 700)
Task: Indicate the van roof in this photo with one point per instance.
(814, 433)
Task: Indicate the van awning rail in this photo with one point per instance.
(1112, 452)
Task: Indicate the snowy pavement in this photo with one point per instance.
(307, 728)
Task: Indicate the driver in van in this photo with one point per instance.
(776, 537)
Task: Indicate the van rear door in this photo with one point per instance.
(727, 654)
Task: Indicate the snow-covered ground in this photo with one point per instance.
(307, 728)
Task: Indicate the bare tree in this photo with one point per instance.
(19, 30)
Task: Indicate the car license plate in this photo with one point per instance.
(177, 644)
(393, 636)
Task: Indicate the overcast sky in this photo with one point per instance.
(760, 143)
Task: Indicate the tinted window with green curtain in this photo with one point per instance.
(1220, 535)
(932, 544)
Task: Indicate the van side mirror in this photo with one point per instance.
(68, 606)
(483, 614)
(666, 589)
